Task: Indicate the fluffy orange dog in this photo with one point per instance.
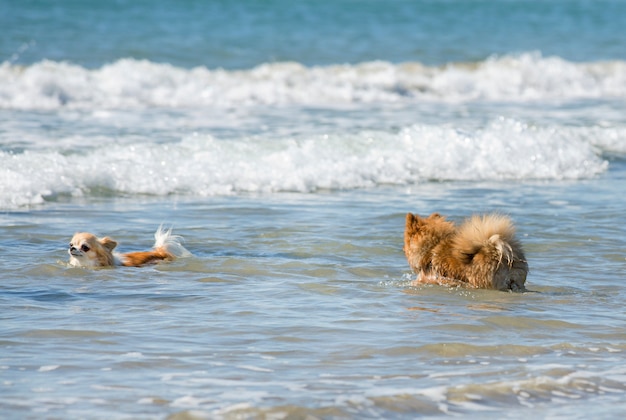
(86, 250)
(482, 252)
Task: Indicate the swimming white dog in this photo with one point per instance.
(87, 250)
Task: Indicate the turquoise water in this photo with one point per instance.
(286, 142)
(242, 34)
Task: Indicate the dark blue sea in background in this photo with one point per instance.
(285, 141)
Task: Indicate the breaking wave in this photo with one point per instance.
(203, 165)
(130, 83)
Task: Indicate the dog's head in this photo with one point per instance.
(421, 235)
(418, 228)
(86, 250)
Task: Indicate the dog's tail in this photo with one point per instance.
(166, 247)
(491, 235)
(488, 243)
(169, 244)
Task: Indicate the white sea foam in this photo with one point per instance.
(203, 165)
(130, 83)
(48, 368)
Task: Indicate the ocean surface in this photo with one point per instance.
(285, 141)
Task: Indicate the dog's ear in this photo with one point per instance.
(413, 222)
(435, 216)
(108, 243)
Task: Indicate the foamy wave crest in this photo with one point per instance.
(202, 165)
(135, 83)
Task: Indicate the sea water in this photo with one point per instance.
(285, 141)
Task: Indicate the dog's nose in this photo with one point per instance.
(72, 248)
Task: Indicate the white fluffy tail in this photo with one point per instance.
(492, 235)
(163, 239)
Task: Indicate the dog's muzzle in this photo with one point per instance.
(78, 252)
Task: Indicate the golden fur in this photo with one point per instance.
(87, 250)
(482, 252)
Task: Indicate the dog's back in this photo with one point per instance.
(166, 247)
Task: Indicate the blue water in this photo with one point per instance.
(285, 141)
(243, 34)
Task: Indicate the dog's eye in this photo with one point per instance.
(84, 248)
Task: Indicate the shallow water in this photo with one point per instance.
(297, 305)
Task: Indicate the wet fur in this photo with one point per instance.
(87, 250)
(482, 252)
